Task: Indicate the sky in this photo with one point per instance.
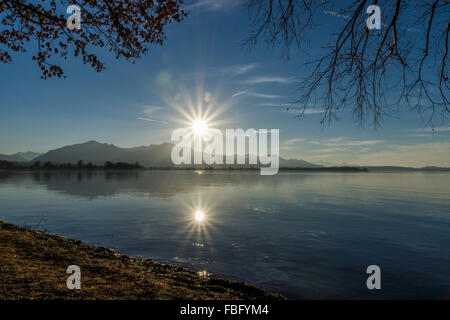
(203, 64)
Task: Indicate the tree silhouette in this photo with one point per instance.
(405, 63)
(125, 27)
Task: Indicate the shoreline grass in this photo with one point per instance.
(33, 266)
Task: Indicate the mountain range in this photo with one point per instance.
(153, 156)
(20, 156)
(148, 156)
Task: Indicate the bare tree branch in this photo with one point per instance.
(373, 72)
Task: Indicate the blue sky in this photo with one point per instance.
(139, 104)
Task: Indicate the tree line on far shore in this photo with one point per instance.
(79, 165)
(136, 166)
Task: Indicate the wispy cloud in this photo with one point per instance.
(414, 155)
(264, 95)
(336, 14)
(274, 104)
(336, 139)
(235, 71)
(152, 120)
(331, 150)
(211, 5)
(151, 109)
(148, 111)
(339, 145)
(353, 143)
(419, 155)
(340, 142)
(240, 93)
(257, 95)
(269, 79)
(300, 111)
(435, 129)
(227, 72)
(427, 135)
(293, 141)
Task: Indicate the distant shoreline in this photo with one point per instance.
(7, 165)
(328, 169)
(34, 265)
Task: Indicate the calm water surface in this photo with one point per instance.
(304, 234)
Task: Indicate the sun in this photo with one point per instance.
(199, 216)
(199, 126)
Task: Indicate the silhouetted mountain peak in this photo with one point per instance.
(93, 142)
(155, 155)
(12, 158)
(28, 155)
(20, 156)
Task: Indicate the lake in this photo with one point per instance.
(304, 234)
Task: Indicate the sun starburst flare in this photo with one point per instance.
(199, 126)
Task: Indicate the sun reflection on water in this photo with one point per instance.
(200, 229)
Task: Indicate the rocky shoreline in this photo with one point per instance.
(33, 265)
